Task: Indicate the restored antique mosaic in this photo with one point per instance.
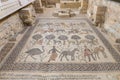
(64, 41)
(62, 45)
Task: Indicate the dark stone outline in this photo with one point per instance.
(9, 65)
(5, 50)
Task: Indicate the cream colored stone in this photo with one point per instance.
(84, 6)
(99, 14)
(70, 5)
(28, 15)
(38, 6)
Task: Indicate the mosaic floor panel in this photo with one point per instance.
(64, 41)
(62, 49)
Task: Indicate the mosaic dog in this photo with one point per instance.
(73, 31)
(60, 30)
(49, 30)
(97, 51)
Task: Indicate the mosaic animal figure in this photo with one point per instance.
(40, 30)
(98, 50)
(93, 42)
(33, 52)
(87, 30)
(83, 24)
(83, 41)
(71, 42)
(49, 30)
(73, 31)
(57, 42)
(39, 42)
(44, 31)
(64, 25)
(83, 32)
(68, 53)
(60, 30)
(70, 32)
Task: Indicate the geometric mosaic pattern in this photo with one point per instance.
(69, 45)
(5, 50)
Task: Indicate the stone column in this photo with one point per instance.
(28, 15)
(99, 15)
(38, 6)
(84, 6)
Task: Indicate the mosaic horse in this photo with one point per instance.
(68, 53)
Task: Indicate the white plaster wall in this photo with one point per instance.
(8, 7)
(11, 6)
(24, 2)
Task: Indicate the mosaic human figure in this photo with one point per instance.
(49, 38)
(88, 53)
(54, 54)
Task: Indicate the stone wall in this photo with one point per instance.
(9, 27)
(112, 17)
(84, 6)
(38, 6)
(15, 23)
(46, 3)
(70, 5)
(28, 15)
(54, 1)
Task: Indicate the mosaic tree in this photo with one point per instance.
(63, 38)
(37, 37)
(76, 38)
(49, 38)
(91, 38)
